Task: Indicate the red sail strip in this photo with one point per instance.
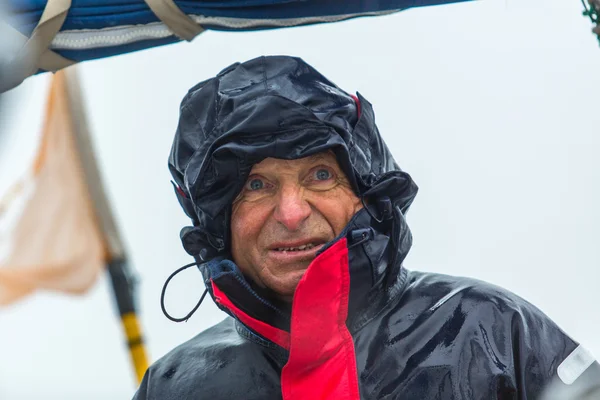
(322, 362)
(282, 338)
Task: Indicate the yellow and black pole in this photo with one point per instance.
(122, 277)
(123, 283)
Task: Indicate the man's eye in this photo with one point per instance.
(255, 184)
(323, 174)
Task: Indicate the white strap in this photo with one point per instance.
(52, 19)
(180, 24)
(35, 53)
(51, 61)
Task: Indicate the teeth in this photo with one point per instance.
(303, 247)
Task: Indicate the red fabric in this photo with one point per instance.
(357, 101)
(322, 362)
(282, 338)
(181, 192)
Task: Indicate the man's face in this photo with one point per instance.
(284, 214)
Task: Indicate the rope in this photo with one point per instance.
(593, 12)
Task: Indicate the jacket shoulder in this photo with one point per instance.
(211, 365)
(495, 309)
(531, 343)
(471, 293)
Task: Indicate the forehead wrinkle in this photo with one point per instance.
(279, 163)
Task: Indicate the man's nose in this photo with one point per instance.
(292, 208)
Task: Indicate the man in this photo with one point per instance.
(298, 211)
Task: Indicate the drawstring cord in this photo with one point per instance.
(164, 289)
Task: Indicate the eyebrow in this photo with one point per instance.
(321, 156)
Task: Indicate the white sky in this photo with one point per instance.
(491, 106)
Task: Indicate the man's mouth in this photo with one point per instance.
(298, 248)
(298, 251)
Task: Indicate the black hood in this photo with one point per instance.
(278, 107)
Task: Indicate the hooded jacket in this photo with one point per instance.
(361, 326)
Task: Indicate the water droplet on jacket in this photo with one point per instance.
(169, 374)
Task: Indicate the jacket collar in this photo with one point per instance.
(376, 249)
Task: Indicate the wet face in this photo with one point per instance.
(287, 210)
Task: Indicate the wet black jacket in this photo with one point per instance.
(361, 326)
